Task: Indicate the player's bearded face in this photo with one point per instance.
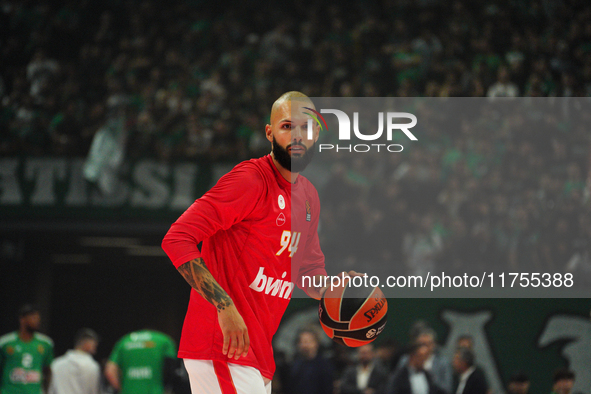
(293, 163)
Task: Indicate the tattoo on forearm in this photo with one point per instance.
(198, 276)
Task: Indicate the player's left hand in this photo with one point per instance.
(235, 332)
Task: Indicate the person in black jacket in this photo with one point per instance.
(412, 378)
(311, 372)
(470, 378)
(368, 376)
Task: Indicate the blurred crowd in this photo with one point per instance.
(193, 80)
(500, 186)
(196, 79)
(421, 367)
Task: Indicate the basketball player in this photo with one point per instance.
(258, 226)
(141, 362)
(25, 356)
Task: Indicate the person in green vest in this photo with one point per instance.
(25, 356)
(140, 362)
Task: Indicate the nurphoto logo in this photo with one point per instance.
(391, 119)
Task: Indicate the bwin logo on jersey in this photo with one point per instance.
(272, 286)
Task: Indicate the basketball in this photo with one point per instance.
(353, 316)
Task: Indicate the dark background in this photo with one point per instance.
(108, 289)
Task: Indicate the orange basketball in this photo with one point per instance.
(353, 316)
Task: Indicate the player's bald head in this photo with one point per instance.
(283, 103)
(292, 141)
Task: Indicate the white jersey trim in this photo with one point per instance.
(11, 336)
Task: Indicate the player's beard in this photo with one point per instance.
(293, 164)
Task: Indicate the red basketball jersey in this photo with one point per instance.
(259, 235)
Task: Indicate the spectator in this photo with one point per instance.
(503, 87)
(436, 364)
(465, 341)
(41, 72)
(518, 384)
(412, 378)
(563, 381)
(277, 45)
(388, 353)
(367, 377)
(470, 378)
(311, 372)
(76, 372)
(422, 246)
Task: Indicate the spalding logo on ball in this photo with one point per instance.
(353, 316)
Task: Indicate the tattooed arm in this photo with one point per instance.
(198, 276)
(236, 340)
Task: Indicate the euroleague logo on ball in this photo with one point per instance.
(373, 332)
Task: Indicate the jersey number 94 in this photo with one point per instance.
(289, 241)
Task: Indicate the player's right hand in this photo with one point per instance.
(236, 341)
